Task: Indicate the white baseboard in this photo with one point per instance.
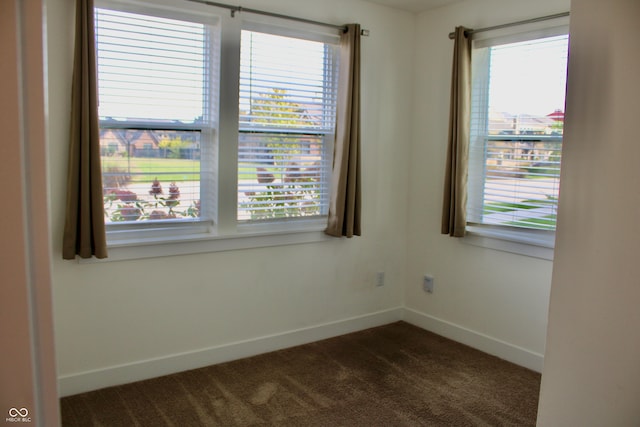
(144, 369)
(92, 380)
(504, 350)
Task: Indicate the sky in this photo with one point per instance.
(529, 78)
(154, 68)
(150, 67)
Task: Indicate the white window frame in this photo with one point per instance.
(223, 232)
(316, 33)
(522, 241)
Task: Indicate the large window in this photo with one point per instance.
(516, 131)
(182, 154)
(287, 122)
(157, 85)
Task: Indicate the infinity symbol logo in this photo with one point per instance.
(22, 412)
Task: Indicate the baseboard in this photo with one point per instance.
(151, 368)
(504, 350)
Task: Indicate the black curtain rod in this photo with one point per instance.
(235, 9)
(513, 24)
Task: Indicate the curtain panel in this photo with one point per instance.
(345, 203)
(454, 216)
(84, 230)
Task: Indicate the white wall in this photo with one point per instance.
(118, 321)
(492, 300)
(591, 374)
(121, 313)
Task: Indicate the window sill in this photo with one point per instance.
(532, 243)
(245, 237)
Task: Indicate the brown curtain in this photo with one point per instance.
(344, 206)
(454, 215)
(84, 229)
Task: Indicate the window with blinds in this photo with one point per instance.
(156, 83)
(187, 156)
(287, 114)
(516, 132)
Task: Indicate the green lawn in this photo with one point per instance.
(547, 222)
(143, 169)
(495, 207)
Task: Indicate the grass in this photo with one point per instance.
(506, 207)
(496, 207)
(541, 173)
(547, 222)
(144, 170)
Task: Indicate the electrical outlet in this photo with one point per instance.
(428, 284)
(380, 278)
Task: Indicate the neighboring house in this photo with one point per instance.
(138, 143)
(121, 141)
(112, 143)
(146, 143)
(314, 113)
(557, 116)
(501, 123)
(143, 143)
(524, 137)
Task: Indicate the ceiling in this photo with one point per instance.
(414, 5)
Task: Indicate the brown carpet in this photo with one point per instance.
(393, 375)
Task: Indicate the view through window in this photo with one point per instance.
(154, 109)
(287, 121)
(160, 135)
(516, 133)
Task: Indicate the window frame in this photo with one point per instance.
(129, 233)
(523, 241)
(223, 231)
(261, 24)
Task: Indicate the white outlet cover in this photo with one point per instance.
(428, 283)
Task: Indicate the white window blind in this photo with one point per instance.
(287, 120)
(155, 84)
(516, 133)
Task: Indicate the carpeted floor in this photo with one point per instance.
(393, 375)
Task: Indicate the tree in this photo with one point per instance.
(173, 146)
(274, 108)
(289, 189)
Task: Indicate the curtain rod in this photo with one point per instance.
(235, 9)
(513, 24)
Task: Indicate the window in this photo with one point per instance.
(517, 117)
(156, 86)
(186, 152)
(287, 123)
